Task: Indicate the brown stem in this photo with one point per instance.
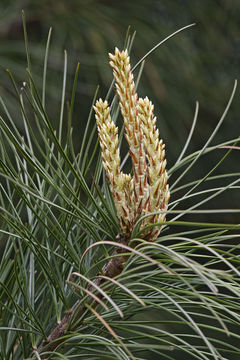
(112, 268)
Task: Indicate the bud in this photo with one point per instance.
(147, 190)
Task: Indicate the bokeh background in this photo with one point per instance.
(200, 63)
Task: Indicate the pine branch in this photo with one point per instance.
(144, 192)
(112, 268)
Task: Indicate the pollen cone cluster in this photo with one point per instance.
(146, 190)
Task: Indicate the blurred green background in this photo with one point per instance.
(200, 63)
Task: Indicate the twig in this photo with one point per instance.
(112, 268)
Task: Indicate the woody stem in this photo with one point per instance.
(112, 268)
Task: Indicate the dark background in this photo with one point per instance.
(200, 63)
